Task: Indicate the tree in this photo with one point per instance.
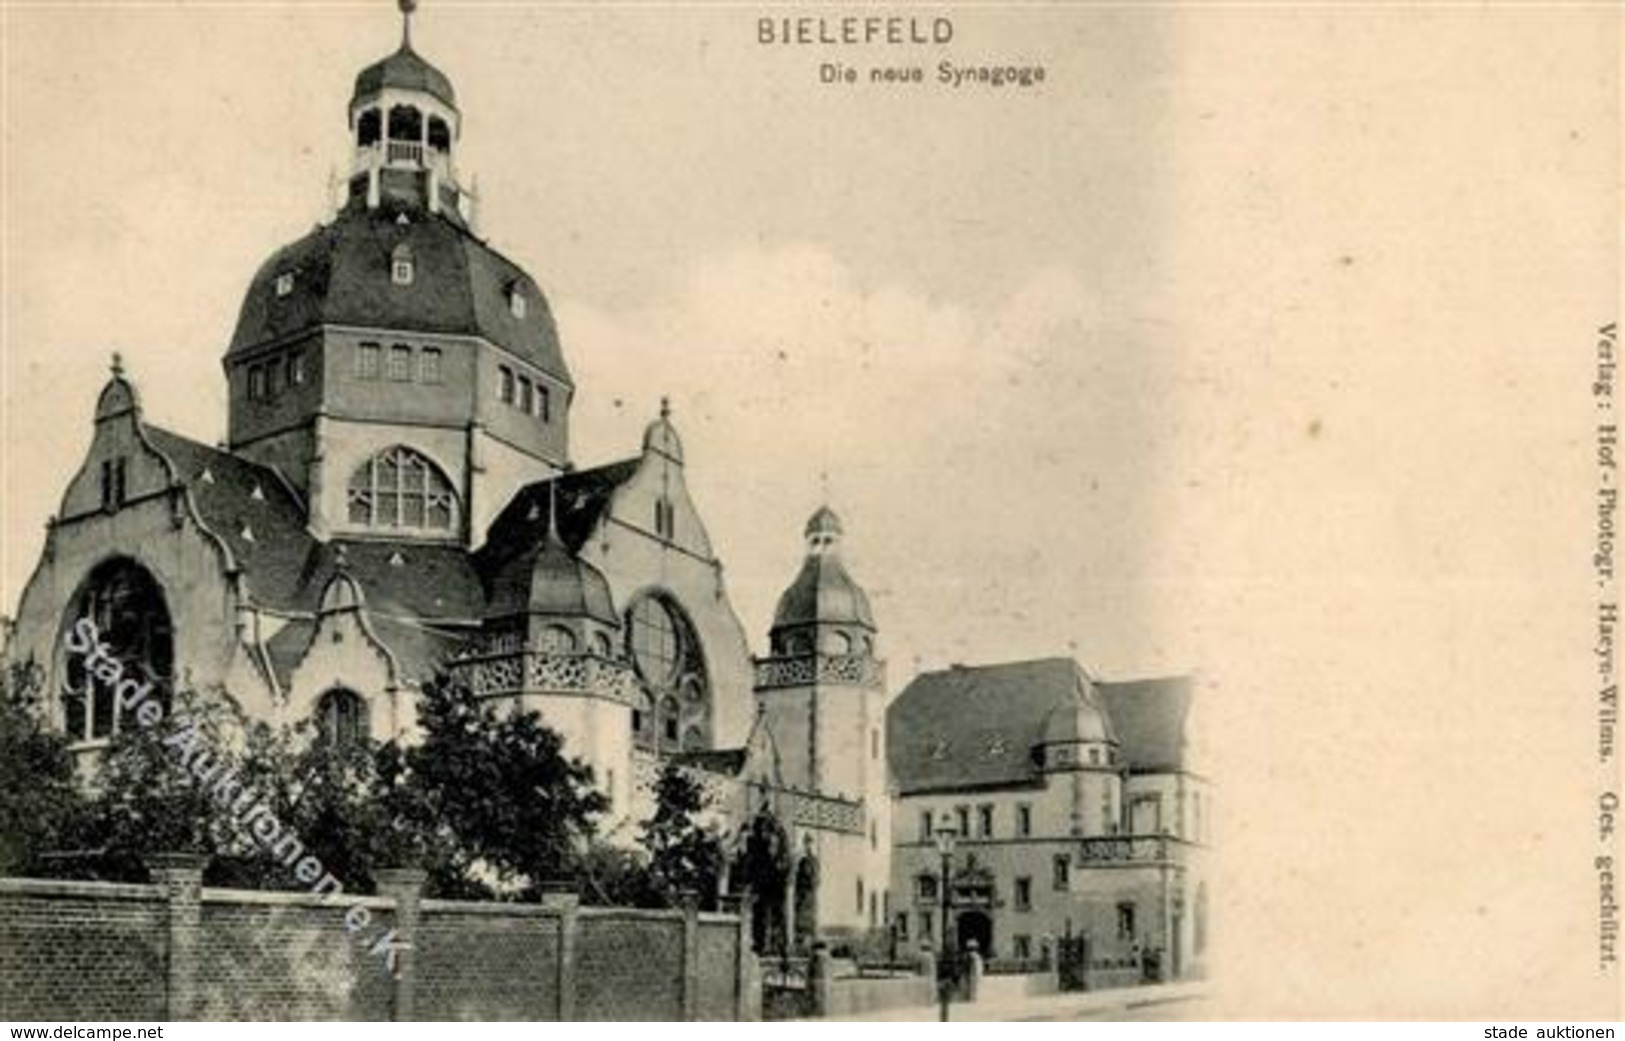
(683, 856)
(497, 804)
(39, 802)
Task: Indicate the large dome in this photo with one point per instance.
(404, 70)
(341, 276)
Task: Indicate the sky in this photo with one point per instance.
(1255, 341)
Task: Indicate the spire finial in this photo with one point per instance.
(823, 486)
(665, 407)
(407, 7)
(118, 365)
(553, 511)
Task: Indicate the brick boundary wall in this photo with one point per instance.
(174, 950)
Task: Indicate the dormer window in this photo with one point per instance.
(284, 284)
(401, 267)
(516, 302)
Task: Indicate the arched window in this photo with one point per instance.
(341, 718)
(837, 643)
(693, 739)
(556, 639)
(670, 667)
(399, 488)
(126, 605)
(439, 134)
(368, 128)
(405, 124)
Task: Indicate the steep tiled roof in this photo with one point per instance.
(583, 499)
(251, 508)
(1150, 716)
(977, 726)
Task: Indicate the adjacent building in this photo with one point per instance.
(1075, 810)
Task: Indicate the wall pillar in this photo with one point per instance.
(567, 902)
(818, 978)
(691, 954)
(181, 876)
(405, 887)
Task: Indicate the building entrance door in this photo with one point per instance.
(976, 925)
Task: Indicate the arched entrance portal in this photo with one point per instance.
(127, 607)
(976, 925)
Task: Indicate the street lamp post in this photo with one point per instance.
(944, 837)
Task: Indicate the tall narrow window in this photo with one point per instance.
(284, 283)
(1061, 872)
(296, 368)
(400, 362)
(1024, 820)
(925, 825)
(516, 302)
(367, 360)
(429, 365)
(1125, 921)
(256, 383)
(1024, 894)
(984, 821)
(544, 403)
(962, 821)
(527, 397)
(113, 489)
(505, 385)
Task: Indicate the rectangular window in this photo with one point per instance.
(1021, 947)
(902, 925)
(984, 821)
(860, 896)
(367, 357)
(962, 821)
(400, 363)
(544, 403)
(1024, 820)
(296, 368)
(1125, 921)
(505, 385)
(928, 925)
(429, 365)
(1024, 894)
(256, 383)
(113, 489)
(925, 887)
(273, 378)
(925, 825)
(527, 400)
(1063, 872)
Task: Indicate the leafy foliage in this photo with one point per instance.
(39, 802)
(683, 856)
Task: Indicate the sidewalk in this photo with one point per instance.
(1045, 1007)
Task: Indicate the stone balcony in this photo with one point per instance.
(1133, 849)
(543, 672)
(855, 670)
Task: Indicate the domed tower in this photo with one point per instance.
(821, 694)
(1080, 749)
(402, 374)
(551, 643)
